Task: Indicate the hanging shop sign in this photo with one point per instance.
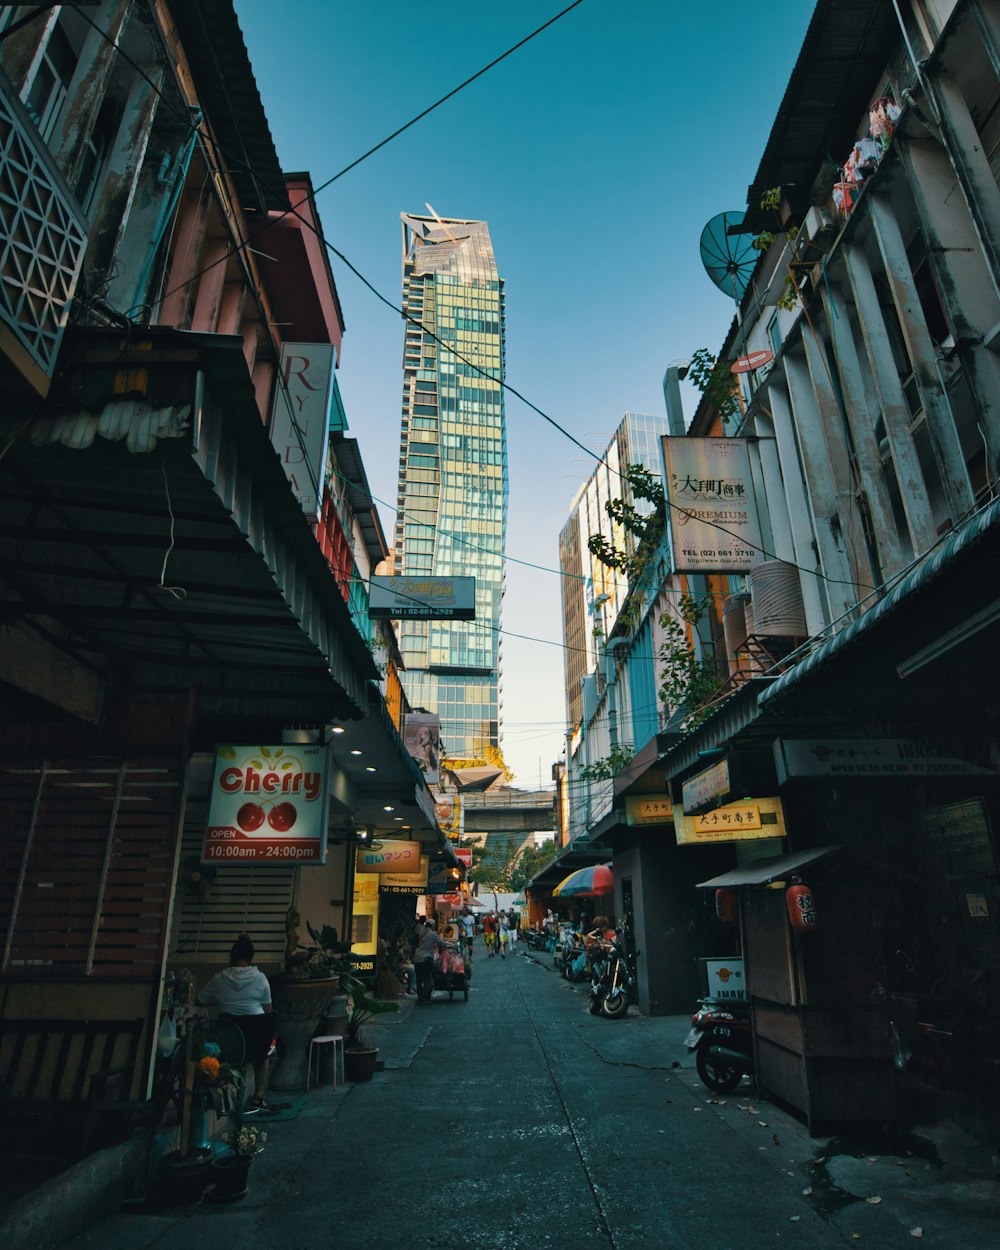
(422, 738)
(872, 757)
(714, 526)
(464, 853)
(442, 878)
(706, 789)
(450, 900)
(268, 803)
(300, 418)
(389, 856)
(449, 813)
(364, 924)
(406, 882)
(733, 822)
(422, 598)
(648, 809)
(752, 361)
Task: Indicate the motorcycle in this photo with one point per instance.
(613, 983)
(570, 958)
(722, 1042)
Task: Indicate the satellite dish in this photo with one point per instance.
(729, 259)
(755, 360)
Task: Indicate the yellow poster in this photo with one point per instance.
(733, 822)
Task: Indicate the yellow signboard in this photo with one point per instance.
(649, 809)
(735, 822)
(390, 856)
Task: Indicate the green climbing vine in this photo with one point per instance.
(687, 683)
(647, 528)
(715, 381)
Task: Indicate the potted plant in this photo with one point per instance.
(303, 994)
(230, 1172)
(201, 1082)
(359, 1054)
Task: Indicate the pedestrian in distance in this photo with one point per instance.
(503, 934)
(423, 961)
(467, 927)
(513, 925)
(242, 995)
(490, 926)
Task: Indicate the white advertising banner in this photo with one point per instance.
(300, 422)
(714, 526)
(268, 803)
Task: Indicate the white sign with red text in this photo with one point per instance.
(268, 803)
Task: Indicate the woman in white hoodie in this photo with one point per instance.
(242, 994)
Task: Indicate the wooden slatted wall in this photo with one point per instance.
(86, 865)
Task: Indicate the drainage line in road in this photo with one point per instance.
(601, 1213)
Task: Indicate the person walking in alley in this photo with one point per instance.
(490, 927)
(513, 925)
(242, 995)
(467, 926)
(423, 961)
(503, 934)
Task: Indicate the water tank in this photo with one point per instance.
(776, 599)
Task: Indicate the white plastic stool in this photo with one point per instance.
(314, 1048)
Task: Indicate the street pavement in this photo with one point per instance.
(518, 1121)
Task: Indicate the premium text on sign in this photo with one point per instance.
(714, 526)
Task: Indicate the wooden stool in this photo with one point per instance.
(315, 1048)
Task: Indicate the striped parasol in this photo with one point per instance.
(586, 882)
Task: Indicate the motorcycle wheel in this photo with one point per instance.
(615, 1004)
(719, 1074)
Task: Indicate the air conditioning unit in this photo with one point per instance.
(815, 235)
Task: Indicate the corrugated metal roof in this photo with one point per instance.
(764, 871)
(839, 70)
(227, 89)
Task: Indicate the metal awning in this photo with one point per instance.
(764, 871)
(148, 522)
(925, 572)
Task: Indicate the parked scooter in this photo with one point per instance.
(571, 958)
(723, 1044)
(612, 986)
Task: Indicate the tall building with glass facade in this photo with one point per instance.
(593, 594)
(451, 518)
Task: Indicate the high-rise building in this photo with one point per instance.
(592, 593)
(451, 518)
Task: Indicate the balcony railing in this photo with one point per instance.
(43, 238)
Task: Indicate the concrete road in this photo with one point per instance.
(517, 1121)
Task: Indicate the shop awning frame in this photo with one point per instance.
(764, 871)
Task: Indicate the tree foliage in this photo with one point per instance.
(687, 683)
(646, 528)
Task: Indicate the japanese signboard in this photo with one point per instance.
(873, 757)
(268, 803)
(442, 878)
(706, 788)
(734, 822)
(300, 421)
(422, 736)
(406, 882)
(422, 598)
(389, 856)
(714, 526)
(649, 809)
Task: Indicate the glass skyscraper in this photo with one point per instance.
(451, 515)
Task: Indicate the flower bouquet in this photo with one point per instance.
(245, 1140)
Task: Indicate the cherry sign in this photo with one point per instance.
(268, 803)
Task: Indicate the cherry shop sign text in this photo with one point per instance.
(250, 780)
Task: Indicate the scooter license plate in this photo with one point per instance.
(692, 1039)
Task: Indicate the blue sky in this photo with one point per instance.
(597, 153)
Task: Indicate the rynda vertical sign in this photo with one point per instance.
(712, 506)
(300, 422)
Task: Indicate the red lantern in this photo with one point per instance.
(801, 908)
(726, 907)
